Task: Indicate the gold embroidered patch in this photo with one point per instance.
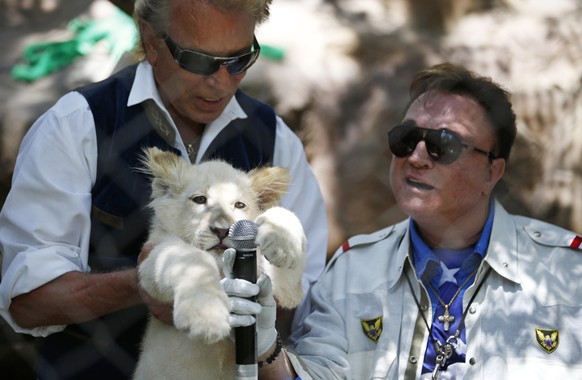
(373, 328)
(548, 340)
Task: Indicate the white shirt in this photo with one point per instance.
(45, 221)
(533, 284)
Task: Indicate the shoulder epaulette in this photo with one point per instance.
(365, 239)
(360, 240)
(550, 235)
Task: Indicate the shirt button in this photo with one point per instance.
(423, 307)
(472, 361)
(537, 234)
(472, 310)
(413, 359)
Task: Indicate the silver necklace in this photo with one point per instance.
(445, 351)
(192, 148)
(446, 318)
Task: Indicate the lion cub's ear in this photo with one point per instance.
(166, 168)
(270, 183)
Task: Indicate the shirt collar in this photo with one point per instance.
(424, 256)
(483, 243)
(421, 252)
(144, 88)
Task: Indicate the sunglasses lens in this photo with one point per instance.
(242, 63)
(202, 64)
(443, 146)
(403, 140)
(198, 64)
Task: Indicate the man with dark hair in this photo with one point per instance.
(461, 289)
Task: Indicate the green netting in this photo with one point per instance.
(43, 58)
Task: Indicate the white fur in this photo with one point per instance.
(194, 205)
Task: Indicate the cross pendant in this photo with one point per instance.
(446, 318)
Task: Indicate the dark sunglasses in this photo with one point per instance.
(442, 145)
(204, 64)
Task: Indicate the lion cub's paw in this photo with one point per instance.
(280, 237)
(204, 316)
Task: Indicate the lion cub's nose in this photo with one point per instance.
(220, 232)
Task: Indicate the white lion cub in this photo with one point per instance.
(193, 208)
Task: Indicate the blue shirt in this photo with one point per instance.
(444, 270)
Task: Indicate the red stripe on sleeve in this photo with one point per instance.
(576, 242)
(346, 246)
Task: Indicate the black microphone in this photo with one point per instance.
(242, 235)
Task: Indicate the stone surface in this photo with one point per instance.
(343, 83)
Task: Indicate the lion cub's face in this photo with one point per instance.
(199, 203)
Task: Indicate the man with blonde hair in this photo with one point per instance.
(75, 220)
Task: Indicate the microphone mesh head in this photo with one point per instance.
(243, 234)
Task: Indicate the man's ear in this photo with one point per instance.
(149, 41)
(496, 171)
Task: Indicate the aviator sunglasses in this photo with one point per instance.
(442, 145)
(204, 64)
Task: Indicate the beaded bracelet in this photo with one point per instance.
(274, 355)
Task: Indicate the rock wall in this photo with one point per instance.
(344, 82)
(351, 87)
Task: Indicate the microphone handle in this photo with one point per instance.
(245, 267)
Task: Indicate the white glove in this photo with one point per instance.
(242, 310)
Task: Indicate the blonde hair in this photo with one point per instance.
(154, 12)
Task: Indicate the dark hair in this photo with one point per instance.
(496, 101)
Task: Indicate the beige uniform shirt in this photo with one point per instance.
(525, 322)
